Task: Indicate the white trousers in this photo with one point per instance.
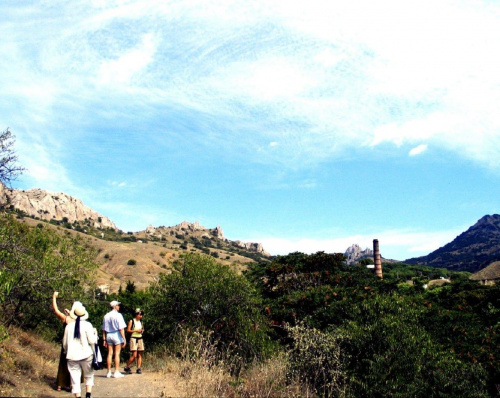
(75, 371)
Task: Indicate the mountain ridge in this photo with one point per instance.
(471, 251)
(50, 206)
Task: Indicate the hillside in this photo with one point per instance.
(140, 257)
(471, 251)
(133, 256)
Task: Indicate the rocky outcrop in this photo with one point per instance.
(195, 230)
(46, 205)
(187, 227)
(252, 247)
(354, 254)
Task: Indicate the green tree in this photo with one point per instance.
(203, 295)
(130, 288)
(391, 354)
(33, 263)
(9, 169)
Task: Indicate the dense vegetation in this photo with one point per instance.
(344, 331)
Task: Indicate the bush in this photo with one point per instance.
(390, 353)
(34, 262)
(202, 295)
(315, 359)
(131, 262)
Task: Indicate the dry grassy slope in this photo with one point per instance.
(28, 365)
(152, 258)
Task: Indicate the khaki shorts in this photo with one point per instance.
(136, 344)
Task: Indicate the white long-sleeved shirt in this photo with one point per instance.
(78, 349)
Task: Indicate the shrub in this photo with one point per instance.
(131, 262)
(315, 359)
(390, 354)
(202, 295)
(33, 263)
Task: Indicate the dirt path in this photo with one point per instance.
(28, 368)
(154, 384)
(134, 385)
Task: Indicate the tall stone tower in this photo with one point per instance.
(377, 259)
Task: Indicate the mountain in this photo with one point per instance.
(45, 205)
(354, 254)
(133, 256)
(49, 206)
(471, 251)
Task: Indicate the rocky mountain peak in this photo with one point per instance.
(46, 205)
(354, 253)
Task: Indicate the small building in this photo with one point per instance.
(489, 275)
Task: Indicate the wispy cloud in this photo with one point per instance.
(319, 79)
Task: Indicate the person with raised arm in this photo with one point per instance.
(63, 379)
(78, 342)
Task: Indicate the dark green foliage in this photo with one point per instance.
(204, 295)
(396, 339)
(34, 262)
(130, 288)
(464, 317)
(405, 272)
(391, 354)
(131, 262)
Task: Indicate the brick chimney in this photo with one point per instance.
(376, 258)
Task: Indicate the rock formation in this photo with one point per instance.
(198, 231)
(253, 247)
(354, 254)
(51, 206)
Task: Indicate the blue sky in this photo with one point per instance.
(303, 125)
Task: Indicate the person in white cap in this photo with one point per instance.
(78, 342)
(113, 335)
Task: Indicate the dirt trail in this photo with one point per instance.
(134, 385)
(147, 384)
(28, 368)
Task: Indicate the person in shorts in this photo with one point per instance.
(136, 328)
(113, 335)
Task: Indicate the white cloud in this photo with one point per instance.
(319, 78)
(394, 244)
(418, 150)
(130, 63)
(118, 184)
